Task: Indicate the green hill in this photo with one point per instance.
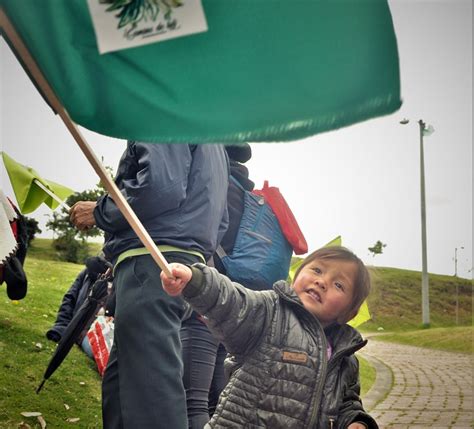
(395, 302)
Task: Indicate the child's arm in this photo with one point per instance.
(235, 315)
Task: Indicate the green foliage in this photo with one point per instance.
(70, 248)
(377, 248)
(71, 243)
(32, 228)
(25, 353)
(43, 248)
(367, 375)
(395, 300)
(59, 222)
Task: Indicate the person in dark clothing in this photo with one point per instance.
(203, 355)
(238, 156)
(291, 352)
(74, 298)
(179, 194)
(11, 268)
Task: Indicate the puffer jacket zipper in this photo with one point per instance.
(319, 388)
(316, 400)
(326, 366)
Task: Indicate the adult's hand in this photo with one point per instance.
(81, 215)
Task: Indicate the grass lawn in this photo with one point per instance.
(395, 302)
(367, 375)
(453, 339)
(74, 389)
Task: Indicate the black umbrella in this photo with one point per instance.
(80, 322)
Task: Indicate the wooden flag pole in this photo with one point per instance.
(108, 183)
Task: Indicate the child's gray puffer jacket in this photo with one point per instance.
(280, 375)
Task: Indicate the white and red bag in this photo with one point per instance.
(101, 338)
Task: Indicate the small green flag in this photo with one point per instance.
(362, 316)
(28, 187)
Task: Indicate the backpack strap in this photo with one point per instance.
(237, 183)
(220, 252)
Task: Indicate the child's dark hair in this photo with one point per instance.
(362, 281)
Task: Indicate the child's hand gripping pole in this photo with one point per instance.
(181, 276)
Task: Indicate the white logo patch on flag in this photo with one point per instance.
(120, 24)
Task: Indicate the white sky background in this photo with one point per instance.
(361, 182)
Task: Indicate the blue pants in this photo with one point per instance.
(143, 383)
(204, 379)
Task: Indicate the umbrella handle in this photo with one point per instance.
(122, 204)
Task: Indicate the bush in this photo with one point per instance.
(31, 228)
(71, 249)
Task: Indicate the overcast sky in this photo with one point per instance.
(361, 182)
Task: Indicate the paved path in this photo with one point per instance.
(431, 388)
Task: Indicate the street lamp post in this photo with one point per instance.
(457, 284)
(456, 260)
(425, 299)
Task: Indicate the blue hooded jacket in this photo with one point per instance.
(179, 193)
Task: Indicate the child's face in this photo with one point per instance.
(325, 287)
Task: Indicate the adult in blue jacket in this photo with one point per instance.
(203, 354)
(179, 194)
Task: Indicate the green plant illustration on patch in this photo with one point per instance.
(131, 12)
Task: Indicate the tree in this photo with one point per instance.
(31, 228)
(377, 248)
(69, 241)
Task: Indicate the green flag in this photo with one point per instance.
(260, 70)
(30, 189)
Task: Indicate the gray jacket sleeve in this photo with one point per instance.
(236, 316)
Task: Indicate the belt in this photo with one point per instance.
(139, 251)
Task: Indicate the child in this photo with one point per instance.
(291, 360)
